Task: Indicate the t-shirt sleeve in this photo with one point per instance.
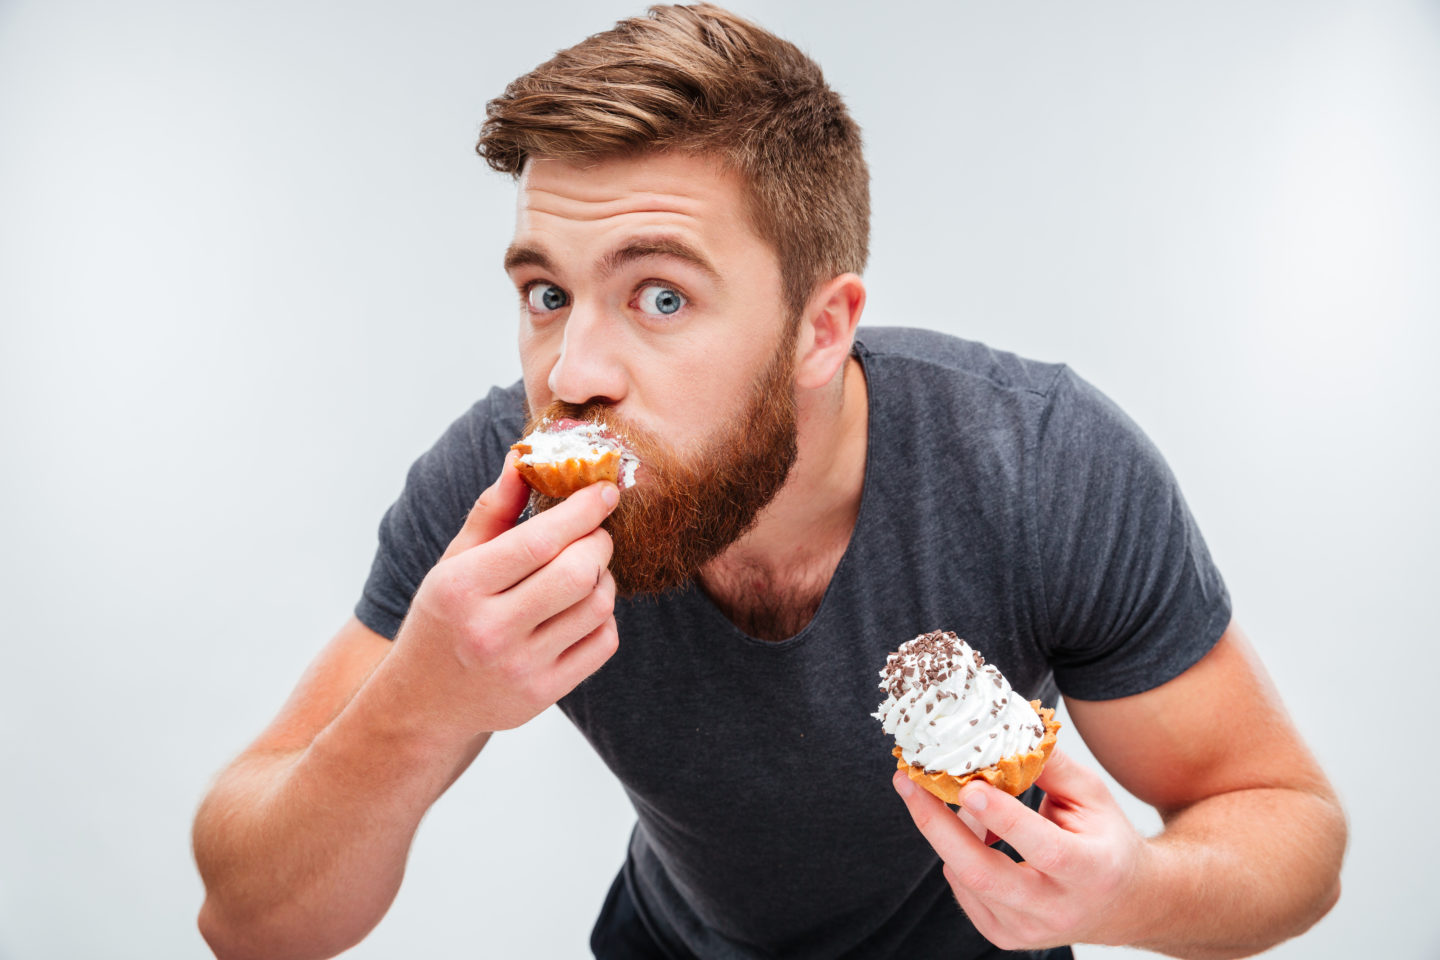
(440, 489)
(1127, 586)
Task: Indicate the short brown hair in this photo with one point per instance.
(700, 79)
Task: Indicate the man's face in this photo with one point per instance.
(648, 302)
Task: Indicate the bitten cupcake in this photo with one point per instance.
(955, 719)
(561, 456)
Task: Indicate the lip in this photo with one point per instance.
(632, 466)
(601, 429)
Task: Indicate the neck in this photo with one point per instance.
(770, 581)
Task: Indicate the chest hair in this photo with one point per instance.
(767, 603)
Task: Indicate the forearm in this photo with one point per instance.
(1237, 873)
(302, 853)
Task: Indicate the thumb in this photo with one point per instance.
(1069, 781)
(495, 511)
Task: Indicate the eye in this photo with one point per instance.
(545, 297)
(660, 301)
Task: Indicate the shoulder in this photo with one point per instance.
(920, 380)
(927, 353)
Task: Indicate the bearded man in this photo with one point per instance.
(691, 228)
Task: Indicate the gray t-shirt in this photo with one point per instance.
(1004, 499)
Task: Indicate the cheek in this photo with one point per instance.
(536, 360)
(692, 399)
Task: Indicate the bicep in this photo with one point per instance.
(327, 685)
(1218, 727)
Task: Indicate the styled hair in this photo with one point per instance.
(698, 79)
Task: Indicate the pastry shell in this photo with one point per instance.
(1012, 774)
(560, 478)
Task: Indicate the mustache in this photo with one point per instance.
(639, 441)
(561, 410)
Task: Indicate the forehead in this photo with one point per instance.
(572, 205)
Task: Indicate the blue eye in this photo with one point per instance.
(545, 297)
(660, 301)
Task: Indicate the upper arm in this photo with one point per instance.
(327, 685)
(1219, 726)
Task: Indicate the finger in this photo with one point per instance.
(495, 511)
(979, 868)
(563, 582)
(586, 656)
(512, 556)
(980, 915)
(576, 622)
(1041, 843)
(1068, 782)
(975, 826)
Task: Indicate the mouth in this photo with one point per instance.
(576, 452)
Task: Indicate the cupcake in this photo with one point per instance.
(561, 456)
(955, 719)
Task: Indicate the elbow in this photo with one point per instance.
(1327, 899)
(219, 936)
(274, 934)
(1332, 897)
(1327, 892)
(1340, 841)
(232, 940)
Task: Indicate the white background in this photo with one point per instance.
(249, 269)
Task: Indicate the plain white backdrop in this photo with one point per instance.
(249, 269)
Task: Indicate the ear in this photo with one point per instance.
(827, 330)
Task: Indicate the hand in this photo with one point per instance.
(513, 616)
(1083, 863)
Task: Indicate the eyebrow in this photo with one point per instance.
(517, 255)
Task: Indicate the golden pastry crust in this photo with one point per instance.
(1014, 774)
(560, 478)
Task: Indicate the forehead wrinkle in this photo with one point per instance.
(572, 204)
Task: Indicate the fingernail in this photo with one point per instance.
(610, 494)
(974, 799)
(904, 785)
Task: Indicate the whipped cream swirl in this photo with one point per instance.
(949, 711)
(558, 441)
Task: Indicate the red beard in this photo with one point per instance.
(682, 512)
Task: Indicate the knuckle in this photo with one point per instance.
(495, 619)
(1050, 858)
(1109, 870)
(578, 577)
(539, 546)
(1003, 822)
(1063, 922)
(1002, 939)
(535, 688)
(445, 587)
(485, 642)
(609, 640)
(972, 878)
(516, 673)
(1005, 939)
(491, 630)
(602, 600)
(596, 608)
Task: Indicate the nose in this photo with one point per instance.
(590, 367)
